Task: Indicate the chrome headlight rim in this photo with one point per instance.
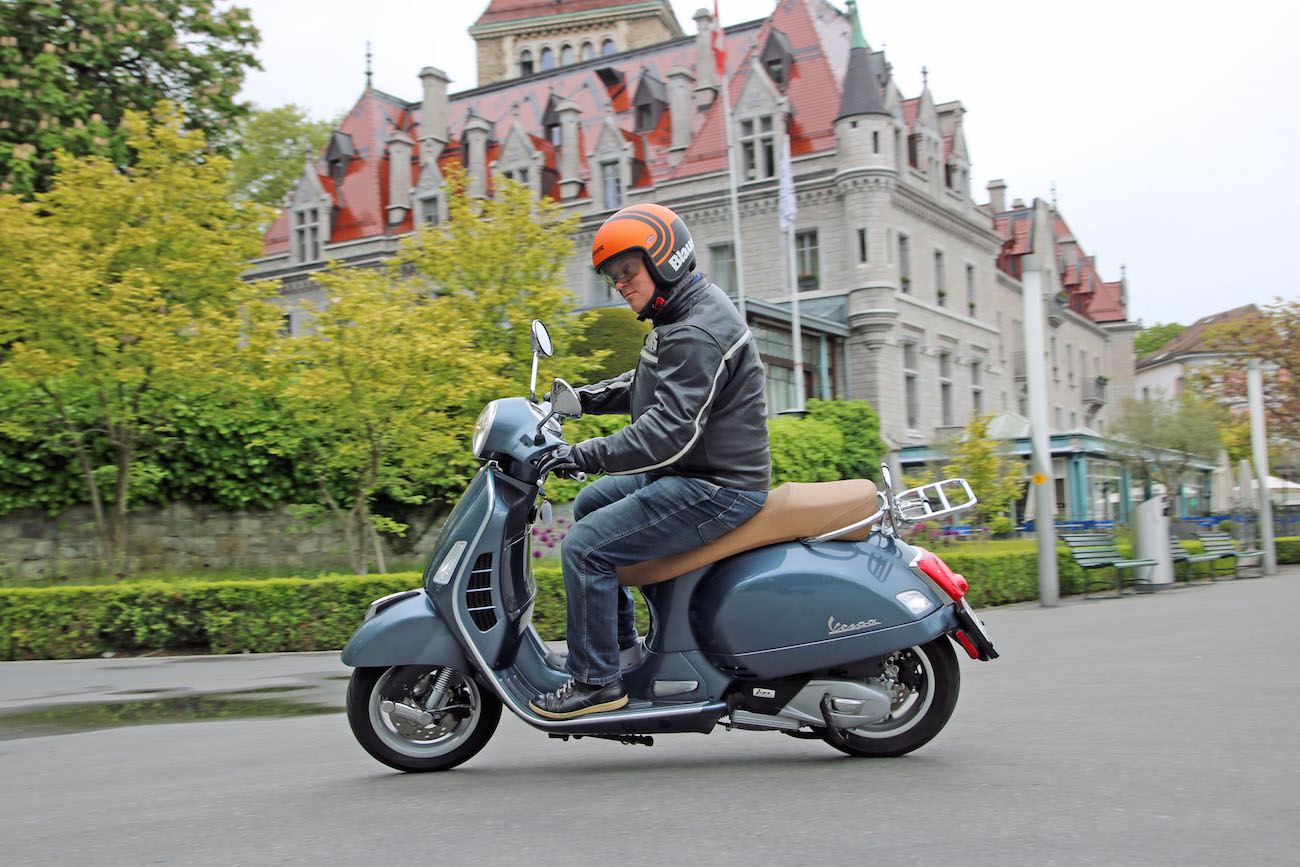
(481, 427)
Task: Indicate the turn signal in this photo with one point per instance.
(949, 581)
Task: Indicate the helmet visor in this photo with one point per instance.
(620, 269)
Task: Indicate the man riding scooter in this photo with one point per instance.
(693, 464)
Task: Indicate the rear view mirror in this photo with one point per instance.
(564, 400)
(542, 339)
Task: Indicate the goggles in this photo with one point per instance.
(620, 270)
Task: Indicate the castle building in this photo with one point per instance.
(910, 292)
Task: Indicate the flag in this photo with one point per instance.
(786, 207)
(719, 45)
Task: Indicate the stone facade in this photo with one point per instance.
(911, 291)
(180, 538)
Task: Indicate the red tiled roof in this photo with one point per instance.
(513, 10)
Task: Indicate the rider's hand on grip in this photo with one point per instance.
(559, 461)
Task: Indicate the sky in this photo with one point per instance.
(1162, 128)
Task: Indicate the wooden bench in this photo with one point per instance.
(1223, 545)
(1098, 551)
(1187, 558)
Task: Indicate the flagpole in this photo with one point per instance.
(735, 198)
(796, 329)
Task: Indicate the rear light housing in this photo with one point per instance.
(941, 574)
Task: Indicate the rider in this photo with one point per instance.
(693, 464)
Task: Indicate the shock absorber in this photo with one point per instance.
(438, 694)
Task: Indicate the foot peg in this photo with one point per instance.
(630, 740)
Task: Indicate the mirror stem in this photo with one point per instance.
(532, 384)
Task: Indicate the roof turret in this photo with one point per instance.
(861, 82)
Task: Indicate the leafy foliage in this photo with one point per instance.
(1150, 339)
(994, 476)
(273, 145)
(614, 337)
(71, 70)
(859, 426)
(804, 450)
(1161, 436)
(123, 290)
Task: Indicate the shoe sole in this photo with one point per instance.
(617, 703)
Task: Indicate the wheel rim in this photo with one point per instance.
(449, 729)
(911, 704)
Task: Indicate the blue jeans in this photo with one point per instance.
(621, 520)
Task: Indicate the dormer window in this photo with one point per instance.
(551, 120)
(338, 155)
(428, 211)
(611, 181)
(526, 63)
(306, 235)
(651, 100)
(777, 58)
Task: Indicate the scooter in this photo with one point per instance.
(846, 635)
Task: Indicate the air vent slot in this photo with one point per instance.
(478, 594)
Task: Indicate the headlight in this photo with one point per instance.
(481, 428)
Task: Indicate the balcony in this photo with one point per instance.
(1094, 392)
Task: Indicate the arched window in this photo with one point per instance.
(566, 55)
(607, 48)
(548, 59)
(588, 51)
(526, 63)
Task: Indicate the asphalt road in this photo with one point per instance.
(1146, 730)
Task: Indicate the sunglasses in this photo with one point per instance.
(620, 271)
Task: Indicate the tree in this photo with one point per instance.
(994, 476)
(613, 335)
(71, 69)
(272, 145)
(1150, 339)
(122, 295)
(1162, 437)
(1274, 338)
(859, 425)
(381, 393)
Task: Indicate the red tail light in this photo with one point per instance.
(949, 581)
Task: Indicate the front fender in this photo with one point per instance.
(408, 632)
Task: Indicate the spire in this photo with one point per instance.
(368, 64)
(861, 83)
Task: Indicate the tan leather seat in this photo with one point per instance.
(795, 510)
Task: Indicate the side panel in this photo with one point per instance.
(406, 633)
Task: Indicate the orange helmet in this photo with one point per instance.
(654, 230)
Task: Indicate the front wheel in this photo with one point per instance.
(420, 718)
(924, 682)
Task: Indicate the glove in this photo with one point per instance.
(562, 461)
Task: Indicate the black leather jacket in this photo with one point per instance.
(696, 398)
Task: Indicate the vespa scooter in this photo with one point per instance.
(814, 618)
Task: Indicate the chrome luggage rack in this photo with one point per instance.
(927, 502)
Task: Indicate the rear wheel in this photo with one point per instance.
(420, 718)
(924, 682)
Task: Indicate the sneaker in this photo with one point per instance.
(578, 699)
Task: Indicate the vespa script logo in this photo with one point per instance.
(678, 259)
(834, 627)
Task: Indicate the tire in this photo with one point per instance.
(930, 681)
(451, 738)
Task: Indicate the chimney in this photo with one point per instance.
(681, 103)
(997, 195)
(434, 126)
(400, 146)
(570, 183)
(477, 131)
(706, 85)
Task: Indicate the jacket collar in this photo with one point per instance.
(669, 302)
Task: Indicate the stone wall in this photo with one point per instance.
(179, 538)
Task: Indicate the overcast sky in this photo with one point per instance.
(1164, 127)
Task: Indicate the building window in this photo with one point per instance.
(862, 245)
(911, 398)
(805, 257)
(588, 51)
(1056, 371)
(607, 48)
(940, 290)
(566, 55)
(970, 289)
(977, 387)
(526, 63)
(428, 212)
(553, 134)
(914, 150)
(775, 351)
(612, 183)
(1069, 365)
(905, 262)
(723, 258)
(306, 234)
(945, 388)
(758, 148)
(875, 141)
(548, 59)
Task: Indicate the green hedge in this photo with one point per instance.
(297, 614)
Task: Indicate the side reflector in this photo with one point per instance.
(969, 646)
(950, 582)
